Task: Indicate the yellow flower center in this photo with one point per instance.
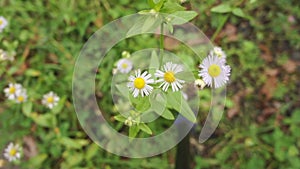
(1, 22)
(124, 65)
(139, 83)
(20, 98)
(12, 90)
(214, 70)
(12, 152)
(50, 99)
(169, 77)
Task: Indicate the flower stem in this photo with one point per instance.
(220, 28)
(161, 46)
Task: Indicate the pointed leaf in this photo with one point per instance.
(171, 7)
(154, 63)
(239, 12)
(177, 102)
(223, 8)
(27, 108)
(145, 128)
(120, 118)
(167, 114)
(133, 131)
(45, 120)
(182, 17)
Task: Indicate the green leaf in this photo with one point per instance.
(158, 102)
(136, 28)
(167, 114)
(223, 8)
(141, 104)
(27, 108)
(32, 72)
(151, 23)
(123, 89)
(171, 7)
(120, 118)
(61, 104)
(151, 4)
(37, 161)
(45, 120)
(154, 63)
(133, 131)
(74, 159)
(239, 12)
(176, 101)
(145, 128)
(73, 143)
(170, 27)
(91, 151)
(158, 4)
(144, 12)
(293, 151)
(182, 17)
(144, 24)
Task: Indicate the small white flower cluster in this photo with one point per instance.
(16, 92)
(214, 71)
(130, 121)
(140, 82)
(6, 56)
(3, 23)
(12, 152)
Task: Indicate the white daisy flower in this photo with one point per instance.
(12, 90)
(124, 65)
(167, 77)
(50, 100)
(139, 84)
(199, 83)
(3, 23)
(12, 152)
(21, 96)
(214, 72)
(217, 51)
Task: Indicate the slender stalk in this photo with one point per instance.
(183, 155)
(161, 45)
(220, 27)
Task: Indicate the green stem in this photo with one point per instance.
(183, 154)
(161, 46)
(220, 27)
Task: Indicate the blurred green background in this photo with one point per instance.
(260, 128)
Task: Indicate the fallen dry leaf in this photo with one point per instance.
(290, 66)
(271, 83)
(266, 53)
(30, 148)
(269, 87)
(230, 32)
